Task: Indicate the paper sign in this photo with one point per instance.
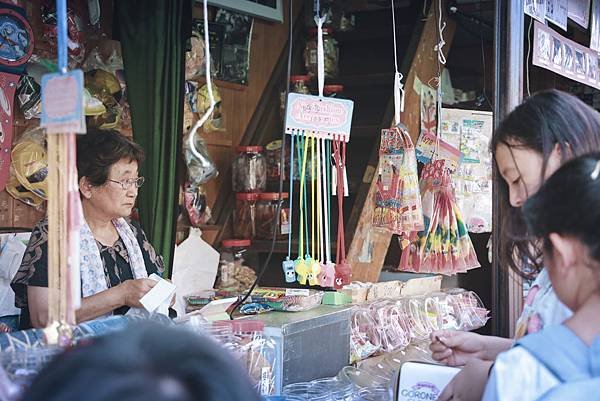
(289, 292)
(556, 12)
(217, 310)
(430, 146)
(535, 9)
(62, 103)
(579, 12)
(323, 117)
(565, 57)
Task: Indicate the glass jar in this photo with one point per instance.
(333, 91)
(233, 272)
(249, 169)
(273, 155)
(266, 215)
(244, 226)
(330, 53)
(298, 84)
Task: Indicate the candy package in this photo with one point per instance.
(398, 200)
(444, 246)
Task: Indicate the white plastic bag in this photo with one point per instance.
(194, 268)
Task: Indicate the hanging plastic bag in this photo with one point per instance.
(214, 121)
(444, 246)
(194, 200)
(195, 265)
(397, 200)
(29, 96)
(194, 59)
(29, 162)
(76, 36)
(201, 168)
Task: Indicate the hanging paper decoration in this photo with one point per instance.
(444, 246)
(398, 200)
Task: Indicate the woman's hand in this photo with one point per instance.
(469, 383)
(133, 290)
(456, 348)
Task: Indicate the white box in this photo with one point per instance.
(423, 382)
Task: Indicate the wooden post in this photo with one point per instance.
(366, 239)
(507, 289)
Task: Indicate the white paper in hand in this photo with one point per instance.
(159, 296)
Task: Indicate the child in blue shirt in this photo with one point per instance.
(561, 362)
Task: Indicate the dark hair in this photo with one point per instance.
(98, 150)
(569, 204)
(541, 122)
(144, 362)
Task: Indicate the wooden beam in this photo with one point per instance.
(369, 246)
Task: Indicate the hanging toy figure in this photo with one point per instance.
(301, 265)
(343, 271)
(288, 264)
(327, 275)
(315, 266)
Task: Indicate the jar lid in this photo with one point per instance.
(273, 195)
(299, 78)
(274, 145)
(326, 30)
(247, 196)
(249, 149)
(236, 243)
(333, 89)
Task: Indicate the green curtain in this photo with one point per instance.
(153, 35)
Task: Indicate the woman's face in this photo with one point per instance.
(111, 199)
(521, 169)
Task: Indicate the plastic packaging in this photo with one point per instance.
(29, 95)
(201, 168)
(266, 215)
(288, 300)
(29, 166)
(244, 226)
(194, 200)
(234, 274)
(273, 155)
(255, 351)
(392, 325)
(330, 51)
(249, 169)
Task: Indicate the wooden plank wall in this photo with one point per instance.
(366, 239)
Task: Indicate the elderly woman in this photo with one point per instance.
(116, 258)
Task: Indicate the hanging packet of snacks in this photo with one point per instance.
(444, 246)
(398, 199)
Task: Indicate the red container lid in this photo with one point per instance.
(246, 196)
(326, 30)
(273, 195)
(299, 78)
(249, 149)
(236, 243)
(333, 89)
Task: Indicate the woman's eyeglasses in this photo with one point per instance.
(128, 183)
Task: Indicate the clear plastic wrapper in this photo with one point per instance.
(201, 167)
(255, 351)
(249, 170)
(386, 326)
(29, 168)
(29, 96)
(281, 300)
(22, 366)
(194, 200)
